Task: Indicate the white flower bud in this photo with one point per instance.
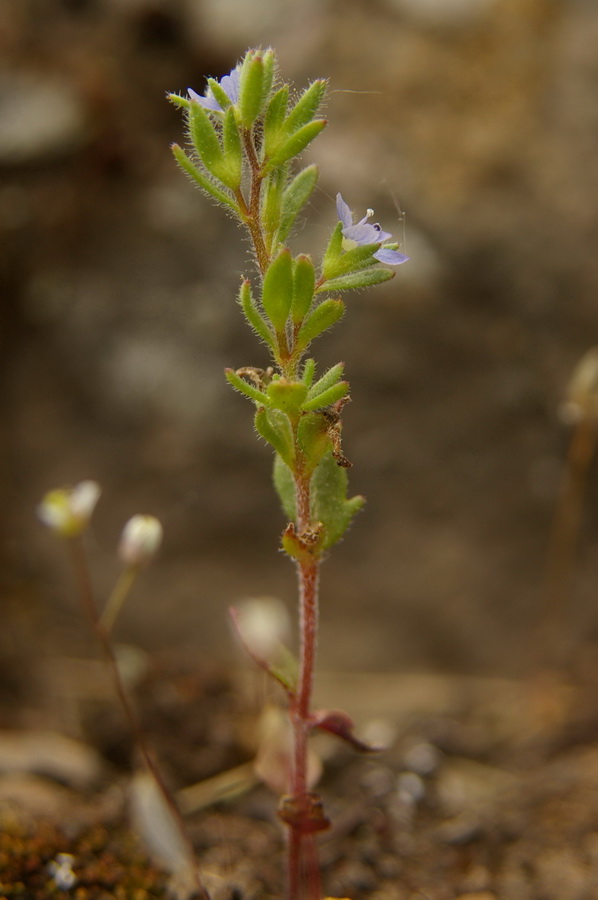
(263, 623)
(68, 510)
(140, 540)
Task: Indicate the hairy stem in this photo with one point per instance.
(253, 207)
(303, 866)
(308, 610)
(103, 637)
(303, 816)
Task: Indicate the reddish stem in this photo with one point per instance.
(304, 816)
(303, 867)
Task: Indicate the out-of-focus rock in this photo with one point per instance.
(30, 795)
(442, 12)
(40, 119)
(232, 25)
(51, 754)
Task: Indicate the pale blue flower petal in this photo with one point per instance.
(383, 235)
(390, 257)
(229, 84)
(343, 212)
(364, 232)
(207, 102)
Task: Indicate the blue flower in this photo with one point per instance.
(229, 84)
(364, 232)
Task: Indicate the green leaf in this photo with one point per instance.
(304, 282)
(233, 153)
(253, 315)
(219, 94)
(270, 66)
(277, 291)
(328, 379)
(365, 278)
(284, 484)
(253, 88)
(334, 250)
(309, 370)
(274, 119)
(295, 144)
(313, 439)
(321, 319)
(205, 140)
(351, 261)
(244, 387)
(177, 100)
(271, 209)
(330, 395)
(287, 396)
(306, 106)
(295, 197)
(274, 426)
(207, 186)
(330, 505)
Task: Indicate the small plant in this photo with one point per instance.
(67, 512)
(245, 133)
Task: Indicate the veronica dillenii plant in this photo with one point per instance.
(245, 134)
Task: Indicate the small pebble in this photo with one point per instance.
(422, 758)
(38, 119)
(410, 788)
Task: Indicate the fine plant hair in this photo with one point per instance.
(245, 134)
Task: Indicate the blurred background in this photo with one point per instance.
(478, 119)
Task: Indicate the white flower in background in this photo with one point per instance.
(67, 511)
(263, 624)
(140, 540)
(61, 871)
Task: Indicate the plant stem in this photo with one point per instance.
(118, 597)
(303, 867)
(253, 207)
(302, 858)
(304, 816)
(103, 637)
(564, 539)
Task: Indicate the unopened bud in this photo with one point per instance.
(68, 510)
(263, 624)
(140, 540)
